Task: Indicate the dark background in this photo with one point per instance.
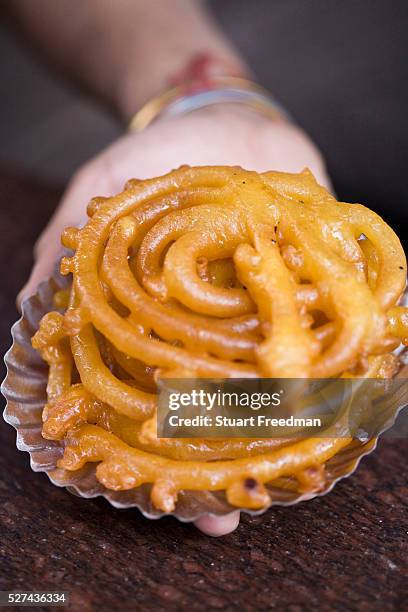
(339, 66)
(340, 69)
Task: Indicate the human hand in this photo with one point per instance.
(222, 135)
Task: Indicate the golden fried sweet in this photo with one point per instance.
(214, 272)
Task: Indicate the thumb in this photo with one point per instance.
(43, 267)
(71, 211)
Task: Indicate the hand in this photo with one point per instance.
(222, 135)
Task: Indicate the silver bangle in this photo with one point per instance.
(182, 100)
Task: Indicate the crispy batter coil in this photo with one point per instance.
(214, 272)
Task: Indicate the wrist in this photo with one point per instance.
(180, 71)
(166, 48)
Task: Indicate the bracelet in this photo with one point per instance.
(186, 98)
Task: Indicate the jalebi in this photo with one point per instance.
(214, 272)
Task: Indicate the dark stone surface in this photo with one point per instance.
(346, 551)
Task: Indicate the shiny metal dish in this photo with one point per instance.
(25, 391)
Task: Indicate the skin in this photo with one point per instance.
(109, 49)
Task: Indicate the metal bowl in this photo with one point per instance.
(25, 391)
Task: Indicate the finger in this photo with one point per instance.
(71, 211)
(218, 525)
(43, 268)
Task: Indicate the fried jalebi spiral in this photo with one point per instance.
(214, 272)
